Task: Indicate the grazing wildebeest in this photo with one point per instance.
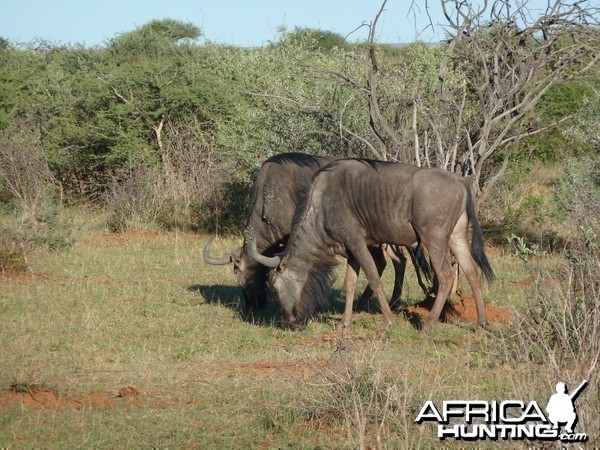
(353, 204)
(281, 182)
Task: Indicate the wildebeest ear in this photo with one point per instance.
(236, 255)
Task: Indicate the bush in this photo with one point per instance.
(578, 193)
(29, 203)
(27, 226)
(12, 256)
(191, 189)
(559, 330)
(560, 325)
(524, 205)
(356, 392)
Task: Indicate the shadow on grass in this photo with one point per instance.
(231, 297)
(400, 309)
(412, 317)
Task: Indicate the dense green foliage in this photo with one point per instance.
(167, 131)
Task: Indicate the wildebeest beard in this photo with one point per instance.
(253, 283)
(314, 293)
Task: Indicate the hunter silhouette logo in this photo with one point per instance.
(510, 419)
(561, 408)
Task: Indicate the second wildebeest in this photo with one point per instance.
(279, 186)
(276, 192)
(354, 204)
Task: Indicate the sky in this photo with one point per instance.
(244, 23)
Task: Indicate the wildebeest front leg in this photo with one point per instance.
(378, 256)
(365, 260)
(350, 279)
(420, 270)
(399, 261)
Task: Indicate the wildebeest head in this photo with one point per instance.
(250, 274)
(300, 290)
(285, 288)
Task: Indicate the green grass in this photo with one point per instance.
(144, 310)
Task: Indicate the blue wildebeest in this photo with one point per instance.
(353, 204)
(281, 182)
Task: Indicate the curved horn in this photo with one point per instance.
(271, 262)
(215, 261)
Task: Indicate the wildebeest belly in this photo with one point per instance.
(375, 222)
(399, 233)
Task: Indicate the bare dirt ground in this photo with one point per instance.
(40, 398)
(463, 309)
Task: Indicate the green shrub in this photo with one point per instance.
(560, 325)
(191, 189)
(38, 225)
(578, 192)
(31, 214)
(12, 256)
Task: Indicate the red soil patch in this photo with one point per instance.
(465, 310)
(334, 338)
(23, 277)
(40, 399)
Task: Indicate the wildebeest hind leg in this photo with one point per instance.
(445, 277)
(460, 247)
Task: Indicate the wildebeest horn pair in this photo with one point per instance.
(217, 261)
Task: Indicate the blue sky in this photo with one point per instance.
(235, 22)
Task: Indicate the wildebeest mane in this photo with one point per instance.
(294, 159)
(253, 194)
(305, 192)
(303, 200)
(298, 159)
(321, 276)
(375, 164)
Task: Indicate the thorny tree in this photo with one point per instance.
(507, 57)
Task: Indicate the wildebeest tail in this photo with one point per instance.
(422, 262)
(477, 245)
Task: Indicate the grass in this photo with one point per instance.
(141, 311)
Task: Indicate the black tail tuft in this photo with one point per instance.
(477, 245)
(422, 262)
